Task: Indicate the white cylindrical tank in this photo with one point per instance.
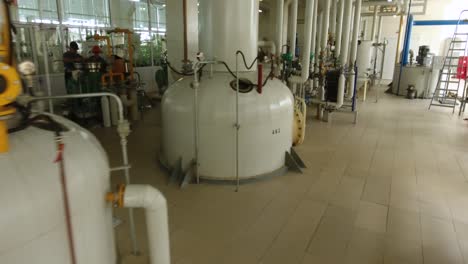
(227, 26)
(364, 60)
(32, 222)
(265, 132)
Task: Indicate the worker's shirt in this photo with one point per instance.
(70, 66)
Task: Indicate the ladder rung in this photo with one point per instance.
(461, 34)
(458, 41)
(449, 81)
(457, 49)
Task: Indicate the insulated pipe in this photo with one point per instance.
(325, 25)
(314, 32)
(295, 4)
(309, 10)
(279, 26)
(333, 18)
(344, 50)
(354, 44)
(319, 33)
(269, 43)
(155, 205)
(339, 28)
(379, 31)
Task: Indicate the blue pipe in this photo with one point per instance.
(406, 45)
(439, 22)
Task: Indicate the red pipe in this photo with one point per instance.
(66, 203)
(259, 78)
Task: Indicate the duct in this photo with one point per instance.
(279, 26)
(339, 28)
(325, 25)
(295, 4)
(269, 44)
(354, 44)
(307, 44)
(155, 205)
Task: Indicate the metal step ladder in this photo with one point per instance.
(447, 89)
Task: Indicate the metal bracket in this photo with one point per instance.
(297, 158)
(291, 163)
(188, 176)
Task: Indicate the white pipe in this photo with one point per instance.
(354, 44)
(155, 205)
(319, 33)
(374, 23)
(279, 26)
(325, 25)
(106, 119)
(346, 32)
(364, 29)
(295, 4)
(339, 28)
(309, 10)
(269, 44)
(379, 31)
(314, 31)
(333, 18)
(285, 31)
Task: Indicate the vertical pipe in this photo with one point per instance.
(379, 30)
(374, 23)
(400, 32)
(339, 28)
(47, 73)
(259, 78)
(314, 32)
(346, 32)
(150, 31)
(333, 18)
(319, 33)
(279, 26)
(307, 40)
(237, 126)
(325, 25)
(354, 44)
(184, 17)
(294, 26)
(195, 119)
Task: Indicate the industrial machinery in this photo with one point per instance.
(230, 122)
(56, 192)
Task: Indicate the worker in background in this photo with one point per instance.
(69, 59)
(96, 57)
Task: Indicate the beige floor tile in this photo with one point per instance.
(348, 193)
(401, 251)
(331, 239)
(372, 217)
(365, 247)
(291, 243)
(403, 224)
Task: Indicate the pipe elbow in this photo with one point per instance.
(144, 196)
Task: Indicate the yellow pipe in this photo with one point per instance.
(3, 137)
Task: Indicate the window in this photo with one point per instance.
(38, 11)
(92, 13)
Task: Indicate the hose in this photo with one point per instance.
(243, 59)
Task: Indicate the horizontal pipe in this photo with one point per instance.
(439, 22)
(85, 95)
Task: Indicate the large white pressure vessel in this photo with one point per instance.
(266, 119)
(265, 132)
(32, 222)
(364, 60)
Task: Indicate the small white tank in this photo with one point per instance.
(365, 58)
(265, 132)
(32, 222)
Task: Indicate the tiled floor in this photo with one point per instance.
(391, 189)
